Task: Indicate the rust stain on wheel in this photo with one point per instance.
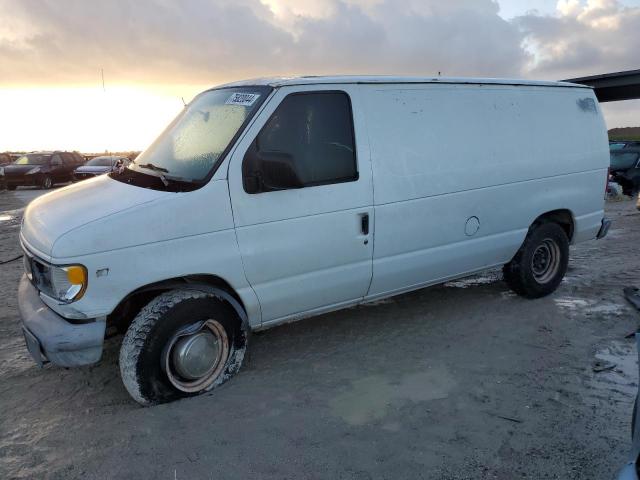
(195, 359)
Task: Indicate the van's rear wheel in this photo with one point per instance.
(183, 343)
(541, 263)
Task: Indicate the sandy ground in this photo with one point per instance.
(464, 380)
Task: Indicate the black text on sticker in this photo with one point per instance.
(244, 99)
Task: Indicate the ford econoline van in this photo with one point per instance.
(267, 201)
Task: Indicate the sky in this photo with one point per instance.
(154, 53)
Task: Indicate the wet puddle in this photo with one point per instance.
(615, 368)
(372, 398)
(590, 307)
(10, 217)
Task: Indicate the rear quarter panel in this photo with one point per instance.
(504, 154)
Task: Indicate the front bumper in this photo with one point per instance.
(50, 337)
(78, 176)
(31, 180)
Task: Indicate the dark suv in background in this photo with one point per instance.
(625, 169)
(43, 169)
(5, 159)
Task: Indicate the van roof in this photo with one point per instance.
(333, 79)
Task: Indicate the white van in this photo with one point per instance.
(267, 201)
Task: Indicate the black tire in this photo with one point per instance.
(11, 187)
(533, 281)
(144, 348)
(47, 182)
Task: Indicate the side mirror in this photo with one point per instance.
(269, 171)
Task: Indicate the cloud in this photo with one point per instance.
(205, 41)
(584, 38)
(163, 41)
(200, 41)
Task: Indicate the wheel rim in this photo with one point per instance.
(545, 261)
(47, 182)
(196, 355)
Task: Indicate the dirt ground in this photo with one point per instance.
(459, 381)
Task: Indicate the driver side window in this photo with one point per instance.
(307, 141)
(56, 161)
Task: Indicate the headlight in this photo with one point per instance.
(65, 283)
(33, 170)
(68, 282)
(1, 171)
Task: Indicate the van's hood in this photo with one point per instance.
(103, 214)
(50, 216)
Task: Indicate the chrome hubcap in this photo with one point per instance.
(196, 355)
(545, 261)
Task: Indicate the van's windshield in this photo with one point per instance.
(193, 144)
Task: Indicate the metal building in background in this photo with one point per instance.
(611, 87)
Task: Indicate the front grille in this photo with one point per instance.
(83, 176)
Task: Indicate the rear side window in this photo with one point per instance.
(308, 141)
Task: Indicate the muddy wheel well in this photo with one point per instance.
(562, 217)
(122, 316)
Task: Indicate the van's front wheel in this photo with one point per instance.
(541, 263)
(184, 342)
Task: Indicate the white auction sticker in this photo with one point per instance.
(244, 99)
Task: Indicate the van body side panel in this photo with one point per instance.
(433, 246)
(177, 235)
(443, 154)
(303, 249)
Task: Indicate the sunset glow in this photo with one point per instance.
(88, 119)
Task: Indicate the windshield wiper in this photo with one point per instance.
(155, 168)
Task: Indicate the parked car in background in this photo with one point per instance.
(5, 159)
(625, 169)
(43, 169)
(99, 166)
(621, 144)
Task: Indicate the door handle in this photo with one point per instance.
(364, 223)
